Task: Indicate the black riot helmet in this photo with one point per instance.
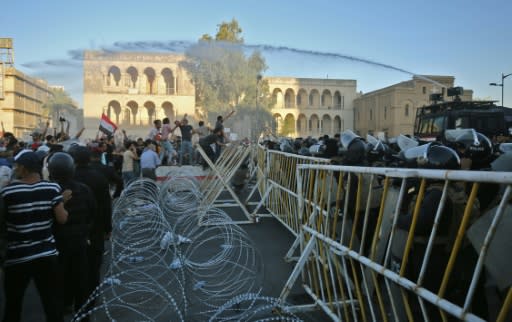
(470, 144)
(347, 137)
(61, 167)
(355, 153)
(81, 155)
(376, 149)
(432, 156)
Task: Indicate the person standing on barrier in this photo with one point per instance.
(220, 124)
(202, 130)
(166, 150)
(102, 220)
(209, 140)
(73, 237)
(31, 250)
(186, 149)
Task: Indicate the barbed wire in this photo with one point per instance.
(172, 259)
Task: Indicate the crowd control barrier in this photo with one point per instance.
(277, 184)
(386, 244)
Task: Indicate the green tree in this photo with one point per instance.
(224, 77)
(288, 127)
(58, 98)
(227, 31)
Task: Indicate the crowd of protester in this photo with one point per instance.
(57, 194)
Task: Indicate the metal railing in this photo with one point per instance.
(396, 244)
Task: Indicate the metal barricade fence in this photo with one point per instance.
(385, 244)
(219, 178)
(278, 185)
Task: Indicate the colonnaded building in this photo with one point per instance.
(308, 106)
(392, 110)
(133, 89)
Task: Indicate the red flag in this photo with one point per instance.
(106, 125)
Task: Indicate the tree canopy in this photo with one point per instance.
(58, 99)
(224, 76)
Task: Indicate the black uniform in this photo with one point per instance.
(72, 239)
(102, 222)
(110, 174)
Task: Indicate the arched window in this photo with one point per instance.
(113, 76)
(133, 75)
(150, 80)
(169, 81)
(406, 109)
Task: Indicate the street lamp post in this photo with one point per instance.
(503, 76)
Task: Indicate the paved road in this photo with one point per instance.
(272, 241)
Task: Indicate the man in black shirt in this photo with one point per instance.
(102, 221)
(73, 237)
(207, 141)
(186, 141)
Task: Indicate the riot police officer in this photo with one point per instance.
(434, 156)
(72, 238)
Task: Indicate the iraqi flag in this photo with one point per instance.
(107, 126)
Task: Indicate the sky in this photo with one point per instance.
(470, 40)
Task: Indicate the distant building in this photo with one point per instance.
(310, 106)
(21, 109)
(392, 110)
(23, 98)
(133, 89)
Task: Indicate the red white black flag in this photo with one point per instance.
(107, 126)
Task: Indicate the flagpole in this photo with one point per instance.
(98, 133)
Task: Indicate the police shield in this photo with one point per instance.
(503, 162)
(497, 261)
(465, 136)
(347, 137)
(505, 147)
(416, 155)
(372, 141)
(405, 143)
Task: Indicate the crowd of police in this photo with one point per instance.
(458, 149)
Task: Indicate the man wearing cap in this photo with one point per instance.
(30, 207)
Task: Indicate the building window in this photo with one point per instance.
(299, 100)
(385, 112)
(442, 91)
(406, 109)
(371, 115)
(424, 90)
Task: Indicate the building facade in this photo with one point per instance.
(308, 106)
(133, 89)
(392, 110)
(21, 108)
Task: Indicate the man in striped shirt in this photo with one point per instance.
(30, 206)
